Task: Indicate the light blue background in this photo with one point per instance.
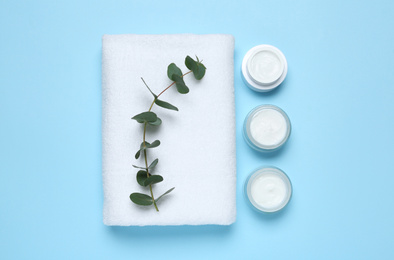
(338, 94)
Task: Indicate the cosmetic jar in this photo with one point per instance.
(264, 67)
(266, 128)
(268, 189)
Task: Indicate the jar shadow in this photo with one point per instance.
(275, 216)
(272, 154)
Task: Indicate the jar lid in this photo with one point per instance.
(264, 67)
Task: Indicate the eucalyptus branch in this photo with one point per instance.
(144, 176)
(145, 154)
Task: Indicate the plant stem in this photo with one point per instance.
(171, 85)
(147, 171)
(145, 154)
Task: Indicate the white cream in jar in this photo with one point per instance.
(268, 189)
(266, 128)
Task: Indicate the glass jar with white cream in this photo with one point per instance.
(268, 189)
(266, 128)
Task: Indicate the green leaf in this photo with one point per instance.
(153, 164)
(156, 123)
(137, 155)
(180, 84)
(148, 87)
(200, 72)
(155, 143)
(145, 117)
(190, 63)
(142, 148)
(173, 70)
(196, 66)
(142, 145)
(138, 167)
(153, 179)
(141, 177)
(165, 193)
(144, 180)
(164, 104)
(141, 199)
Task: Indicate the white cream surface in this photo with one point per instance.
(269, 191)
(265, 67)
(268, 127)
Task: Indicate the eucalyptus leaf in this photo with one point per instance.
(141, 199)
(148, 87)
(165, 193)
(200, 72)
(142, 145)
(142, 148)
(164, 104)
(156, 123)
(138, 167)
(145, 117)
(153, 164)
(196, 66)
(137, 154)
(155, 143)
(173, 70)
(180, 84)
(190, 63)
(141, 177)
(153, 179)
(147, 145)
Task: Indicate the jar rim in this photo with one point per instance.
(273, 51)
(261, 171)
(247, 133)
(252, 82)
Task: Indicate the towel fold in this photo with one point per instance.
(197, 151)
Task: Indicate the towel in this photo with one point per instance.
(197, 151)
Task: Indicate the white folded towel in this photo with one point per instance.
(197, 151)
